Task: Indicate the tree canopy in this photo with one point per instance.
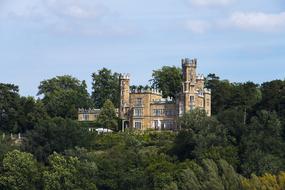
(105, 86)
(63, 95)
(168, 80)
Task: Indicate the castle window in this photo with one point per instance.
(170, 112)
(155, 124)
(138, 124)
(85, 117)
(138, 112)
(138, 101)
(192, 103)
(167, 124)
(158, 112)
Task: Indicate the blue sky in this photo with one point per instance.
(237, 39)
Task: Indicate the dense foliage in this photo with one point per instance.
(63, 95)
(105, 86)
(240, 147)
(168, 80)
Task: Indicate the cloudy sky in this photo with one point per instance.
(239, 40)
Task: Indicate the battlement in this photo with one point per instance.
(146, 91)
(124, 76)
(200, 77)
(207, 91)
(167, 100)
(189, 62)
(88, 111)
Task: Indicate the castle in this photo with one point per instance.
(147, 109)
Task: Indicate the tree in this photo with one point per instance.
(63, 95)
(140, 87)
(245, 95)
(107, 117)
(168, 80)
(187, 179)
(20, 172)
(267, 181)
(233, 121)
(231, 180)
(30, 112)
(9, 105)
(5, 146)
(262, 145)
(227, 95)
(207, 174)
(203, 137)
(65, 173)
(105, 86)
(273, 97)
(55, 134)
(221, 93)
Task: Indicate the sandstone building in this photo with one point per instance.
(147, 109)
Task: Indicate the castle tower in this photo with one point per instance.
(200, 82)
(189, 83)
(189, 69)
(207, 101)
(124, 95)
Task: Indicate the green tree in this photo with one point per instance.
(221, 93)
(63, 95)
(105, 86)
(231, 180)
(233, 121)
(9, 105)
(140, 87)
(212, 179)
(55, 134)
(227, 95)
(273, 97)
(5, 146)
(20, 172)
(30, 112)
(187, 179)
(262, 145)
(245, 95)
(65, 173)
(107, 117)
(203, 137)
(168, 80)
(207, 174)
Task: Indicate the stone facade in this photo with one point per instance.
(146, 109)
(88, 114)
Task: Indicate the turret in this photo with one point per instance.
(189, 69)
(200, 82)
(207, 101)
(124, 95)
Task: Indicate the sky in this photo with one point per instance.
(239, 40)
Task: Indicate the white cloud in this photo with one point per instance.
(76, 9)
(258, 21)
(72, 9)
(211, 2)
(83, 17)
(198, 26)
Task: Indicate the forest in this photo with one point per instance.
(241, 147)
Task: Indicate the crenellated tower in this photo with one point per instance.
(124, 95)
(189, 67)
